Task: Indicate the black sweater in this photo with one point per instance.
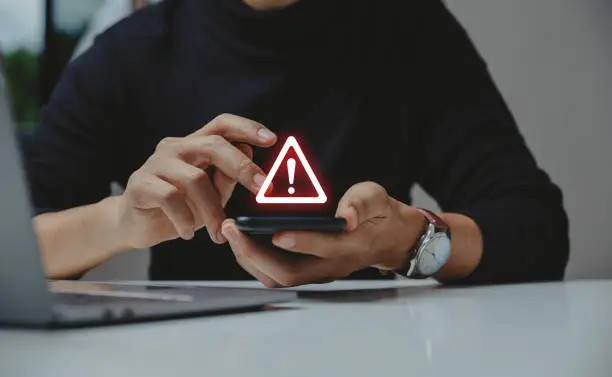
(386, 91)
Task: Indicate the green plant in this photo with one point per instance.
(21, 70)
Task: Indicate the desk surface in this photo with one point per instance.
(556, 329)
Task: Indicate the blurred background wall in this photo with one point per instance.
(552, 60)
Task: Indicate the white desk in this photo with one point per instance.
(561, 329)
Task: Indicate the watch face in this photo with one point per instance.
(434, 254)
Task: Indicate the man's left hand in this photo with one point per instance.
(380, 232)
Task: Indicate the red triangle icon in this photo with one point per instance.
(320, 197)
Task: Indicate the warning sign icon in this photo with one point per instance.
(291, 179)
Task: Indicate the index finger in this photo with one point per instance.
(216, 151)
(238, 129)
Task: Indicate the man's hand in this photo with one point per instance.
(186, 183)
(380, 232)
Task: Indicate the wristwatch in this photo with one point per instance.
(432, 249)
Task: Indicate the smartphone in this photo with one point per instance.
(273, 225)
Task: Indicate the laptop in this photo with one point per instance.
(28, 299)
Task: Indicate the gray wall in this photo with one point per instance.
(553, 61)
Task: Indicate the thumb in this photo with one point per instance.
(362, 202)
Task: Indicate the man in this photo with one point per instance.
(384, 94)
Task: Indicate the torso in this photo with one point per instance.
(354, 130)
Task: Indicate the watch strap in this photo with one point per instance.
(434, 219)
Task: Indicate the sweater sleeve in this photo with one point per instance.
(71, 153)
(476, 162)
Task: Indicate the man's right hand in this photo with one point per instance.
(186, 183)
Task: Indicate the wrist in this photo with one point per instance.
(408, 228)
(112, 232)
(467, 248)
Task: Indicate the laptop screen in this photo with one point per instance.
(20, 264)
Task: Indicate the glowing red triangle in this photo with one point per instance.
(261, 196)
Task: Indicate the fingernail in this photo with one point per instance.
(285, 241)
(265, 135)
(220, 237)
(188, 234)
(259, 180)
(229, 232)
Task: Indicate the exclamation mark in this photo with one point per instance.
(291, 169)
